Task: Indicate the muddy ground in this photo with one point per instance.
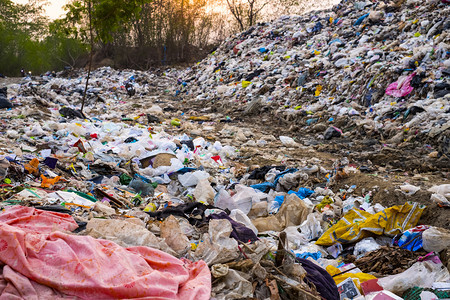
(382, 169)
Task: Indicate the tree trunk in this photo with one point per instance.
(90, 57)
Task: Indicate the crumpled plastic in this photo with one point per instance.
(125, 233)
(436, 239)
(421, 274)
(401, 87)
(358, 224)
(292, 212)
(88, 268)
(48, 182)
(216, 245)
(33, 166)
(174, 237)
(233, 284)
(411, 239)
(203, 192)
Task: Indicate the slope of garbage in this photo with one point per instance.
(374, 74)
(206, 183)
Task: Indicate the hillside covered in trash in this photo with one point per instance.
(361, 69)
(306, 158)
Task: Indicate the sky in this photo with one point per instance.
(54, 8)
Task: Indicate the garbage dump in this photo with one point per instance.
(306, 158)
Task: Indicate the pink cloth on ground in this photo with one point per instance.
(92, 268)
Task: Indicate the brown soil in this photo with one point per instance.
(389, 168)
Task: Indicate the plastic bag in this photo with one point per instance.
(232, 285)
(293, 212)
(295, 237)
(411, 239)
(358, 224)
(174, 237)
(242, 200)
(311, 227)
(364, 246)
(288, 141)
(436, 239)
(443, 189)
(440, 199)
(242, 218)
(203, 192)
(216, 245)
(125, 233)
(401, 87)
(192, 178)
(139, 186)
(421, 274)
(409, 189)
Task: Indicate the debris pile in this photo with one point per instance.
(359, 70)
(145, 195)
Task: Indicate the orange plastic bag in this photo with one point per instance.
(33, 166)
(48, 182)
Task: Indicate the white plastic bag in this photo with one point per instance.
(364, 246)
(192, 178)
(216, 245)
(242, 200)
(422, 274)
(409, 189)
(288, 141)
(436, 239)
(311, 228)
(203, 192)
(443, 189)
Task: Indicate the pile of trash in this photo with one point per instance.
(141, 195)
(361, 69)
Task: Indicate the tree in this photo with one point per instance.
(28, 41)
(246, 12)
(105, 17)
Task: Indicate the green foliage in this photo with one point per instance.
(28, 41)
(108, 16)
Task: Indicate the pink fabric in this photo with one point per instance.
(36, 220)
(94, 269)
(14, 285)
(400, 88)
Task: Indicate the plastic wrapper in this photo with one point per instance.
(292, 212)
(125, 233)
(364, 246)
(311, 228)
(421, 274)
(216, 245)
(242, 218)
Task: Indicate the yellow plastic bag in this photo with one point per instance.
(318, 90)
(357, 278)
(246, 83)
(358, 224)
